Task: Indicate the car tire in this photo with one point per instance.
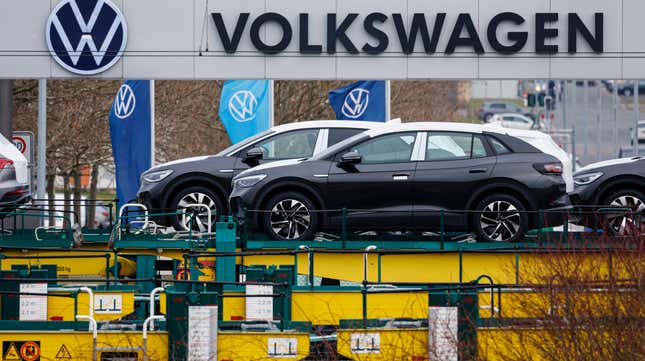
(627, 92)
(500, 218)
(625, 224)
(290, 216)
(487, 117)
(195, 195)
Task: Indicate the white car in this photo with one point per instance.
(641, 131)
(14, 176)
(542, 142)
(516, 121)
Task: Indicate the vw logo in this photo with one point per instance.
(356, 103)
(86, 37)
(242, 106)
(125, 102)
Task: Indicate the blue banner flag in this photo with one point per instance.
(130, 127)
(363, 100)
(245, 108)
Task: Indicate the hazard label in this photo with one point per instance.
(11, 352)
(20, 350)
(63, 353)
(30, 351)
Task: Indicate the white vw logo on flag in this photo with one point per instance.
(125, 102)
(356, 103)
(242, 106)
(86, 25)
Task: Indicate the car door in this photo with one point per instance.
(376, 192)
(453, 166)
(301, 143)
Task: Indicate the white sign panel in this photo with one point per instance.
(259, 308)
(108, 303)
(32, 306)
(365, 343)
(279, 347)
(324, 39)
(443, 334)
(202, 333)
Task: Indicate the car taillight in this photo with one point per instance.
(105, 214)
(542, 116)
(548, 168)
(5, 163)
(552, 115)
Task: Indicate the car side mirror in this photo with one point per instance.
(351, 158)
(254, 154)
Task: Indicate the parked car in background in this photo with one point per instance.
(186, 184)
(414, 176)
(14, 177)
(590, 83)
(517, 121)
(628, 152)
(488, 109)
(618, 183)
(627, 88)
(641, 131)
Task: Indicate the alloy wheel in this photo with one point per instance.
(500, 221)
(198, 214)
(625, 224)
(290, 219)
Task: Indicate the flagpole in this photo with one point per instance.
(271, 105)
(152, 123)
(388, 116)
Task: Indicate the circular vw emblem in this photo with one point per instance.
(125, 102)
(356, 103)
(86, 37)
(242, 106)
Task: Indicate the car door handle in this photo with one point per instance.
(477, 170)
(400, 176)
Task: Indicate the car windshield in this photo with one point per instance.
(237, 146)
(339, 146)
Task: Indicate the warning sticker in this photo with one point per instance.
(11, 352)
(63, 353)
(20, 350)
(30, 351)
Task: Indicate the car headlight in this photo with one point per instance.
(586, 178)
(250, 181)
(154, 177)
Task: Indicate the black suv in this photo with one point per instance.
(415, 176)
(190, 185)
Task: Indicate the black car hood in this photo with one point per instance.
(203, 163)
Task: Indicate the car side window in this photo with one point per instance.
(337, 135)
(454, 146)
(478, 150)
(497, 106)
(391, 148)
(498, 146)
(295, 144)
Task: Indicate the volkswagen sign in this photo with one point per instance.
(242, 106)
(125, 102)
(86, 37)
(356, 103)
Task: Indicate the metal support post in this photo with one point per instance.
(637, 115)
